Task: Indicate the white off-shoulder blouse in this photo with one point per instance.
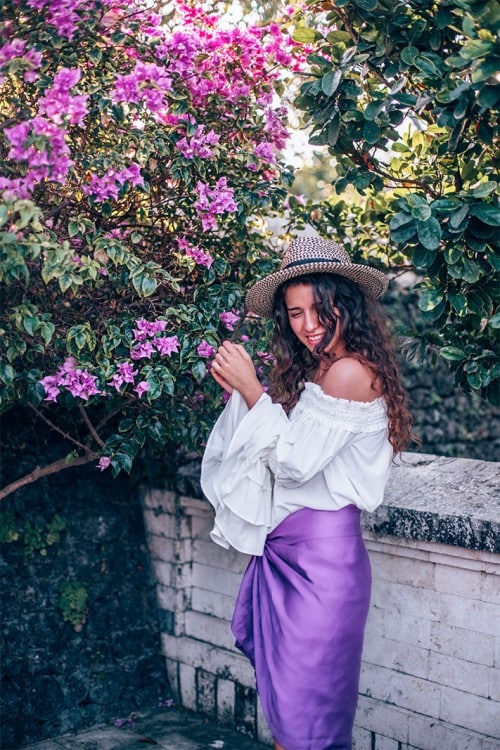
(260, 465)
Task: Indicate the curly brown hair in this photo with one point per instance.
(364, 329)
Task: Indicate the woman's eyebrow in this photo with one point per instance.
(289, 309)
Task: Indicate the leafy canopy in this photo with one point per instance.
(404, 96)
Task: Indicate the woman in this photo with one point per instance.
(289, 472)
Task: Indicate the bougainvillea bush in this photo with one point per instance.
(139, 155)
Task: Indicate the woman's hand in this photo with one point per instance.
(233, 368)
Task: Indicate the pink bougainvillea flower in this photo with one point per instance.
(144, 350)
(142, 388)
(205, 349)
(229, 319)
(167, 345)
(104, 463)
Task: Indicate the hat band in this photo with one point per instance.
(308, 262)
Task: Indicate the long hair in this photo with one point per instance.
(363, 327)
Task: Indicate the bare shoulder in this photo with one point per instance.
(350, 379)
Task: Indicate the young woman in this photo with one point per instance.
(289, 471)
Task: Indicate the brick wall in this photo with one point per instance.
(428, 678)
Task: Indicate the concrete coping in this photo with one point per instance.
(428, 498)
(452, 501)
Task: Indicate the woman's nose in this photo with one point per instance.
(311, 321)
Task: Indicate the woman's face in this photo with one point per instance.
(303, 317)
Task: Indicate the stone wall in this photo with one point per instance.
(430, 675)
(55, 677)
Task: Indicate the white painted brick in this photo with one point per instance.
(386, 743)
(373, 715)
(376, 621)
(451, 580)
(194, 506)
(429, 734)
(184, 527)
(163, 524)
(201, 526)
(161, 548)
(459, 557)
(209, 629)
(218, 605)
(464, 644)
(471, 712)
(459, 674)
(490, 591)
(397, 597)
(482, 617)
(398, 656)
(263, 732)
(408, 629)
(217, 580)
(409, 571)
(225, 701)
(221, 662)
(209, 553)
(164, 572)
(362, 739)
(404, 691)
(162, 499)
(497, 651)
(166, 597)
(494, 685)
(172, 668)
(187, 685)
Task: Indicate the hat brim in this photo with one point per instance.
(260, 297)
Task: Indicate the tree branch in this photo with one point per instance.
(44, 471)
(65, 435)
(90, 426)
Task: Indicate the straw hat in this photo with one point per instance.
(313, 255)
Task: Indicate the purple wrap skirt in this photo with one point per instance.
(300, 617)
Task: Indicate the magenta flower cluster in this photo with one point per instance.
(64, 15)
(205, 349)
(229, 319)
(108, 185)
(193, 251)
(211, 201)
(199, 144)
(58, 104)
(79, 382)
(16, 50)
(149, 343)
(148, 83)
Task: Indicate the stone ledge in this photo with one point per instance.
(453, 501)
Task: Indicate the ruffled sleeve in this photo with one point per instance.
(238, 482)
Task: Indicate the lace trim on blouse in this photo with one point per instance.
(355, 416)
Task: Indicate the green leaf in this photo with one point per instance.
(302, 35)
(7, 373)
(429, 233)
(457, 218)
(430, 299)
(483, 189)
(494, 321)
(408, 54)
(330, 82)
(487, 213)
(452, 353)
(371, 132)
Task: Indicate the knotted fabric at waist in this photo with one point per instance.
(308, 523)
